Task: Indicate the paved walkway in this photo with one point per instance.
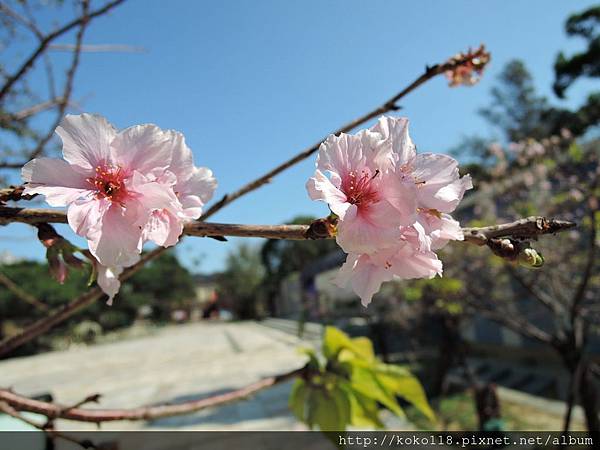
(175, 364)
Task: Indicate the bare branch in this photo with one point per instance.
(21, 294)
(546, 300)
(64, 312)
(529, 228)
(54, 411)
(43, 45)
(8, 409)
(389, 105)
(98, 48)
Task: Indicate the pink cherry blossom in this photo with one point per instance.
(193, 187)
(393, 205)
(361, 190)
(121, 188)
(366, 272)
(108, 280)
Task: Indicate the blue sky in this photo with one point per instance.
(251, 83)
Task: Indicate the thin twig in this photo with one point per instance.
(6, 408)
(98, 48)
(28, 63)
(64, 312)
(389, 105)
(21, 294)
(54, 411)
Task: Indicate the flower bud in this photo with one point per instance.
(530, 258)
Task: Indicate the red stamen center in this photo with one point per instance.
(358, 189)
(109, 183)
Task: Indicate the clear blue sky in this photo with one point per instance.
(250, 83)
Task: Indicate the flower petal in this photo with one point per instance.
(163, 228)
(320, 187)
(201, 183)
(365, 276)
(439, 184)
(85, 216)
(366, 232)
(86, 140)
(396, 130)
(55, 179)
(118, 241)
(144, 148)
(108, 280)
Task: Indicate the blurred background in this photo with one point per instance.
(496, 346)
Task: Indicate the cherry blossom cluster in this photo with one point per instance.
(122, 188)
(392, 205)
(468, 67)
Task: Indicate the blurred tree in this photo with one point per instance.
(163, 284)
(35, 88)
(584, 64)
(240, 283)
(281, 258)
(516, 109)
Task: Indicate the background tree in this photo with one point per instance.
(239, 284)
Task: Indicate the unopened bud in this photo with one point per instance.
(58, 268)
(531, 258)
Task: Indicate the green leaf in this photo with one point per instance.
(297, 398)
(323, 411)
(336, 340)
(408, 387)
(333, 341)
(363, 410)
(342, 402)
(363, 347)
(313, 360)
(365, 382)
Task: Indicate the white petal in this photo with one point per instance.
(86, 140)
(108, 280)
(320, 187)
(117, 243)
(55, 179)
(85, 216)
(144, 148)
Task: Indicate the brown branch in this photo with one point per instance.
(389, 105)
(54, 411)
(527, 228)
(21, 294)
(98, 48)
(64, 312)
(43, 325)
(546, 300)
(43, 45)
(8, 409)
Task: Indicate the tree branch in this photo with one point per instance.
(8, 409)
(527, 228)
(53, 411)
(20, 293)
(28, 63)
(389, 105)
(64, 312)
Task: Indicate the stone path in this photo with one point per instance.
(175, 364)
